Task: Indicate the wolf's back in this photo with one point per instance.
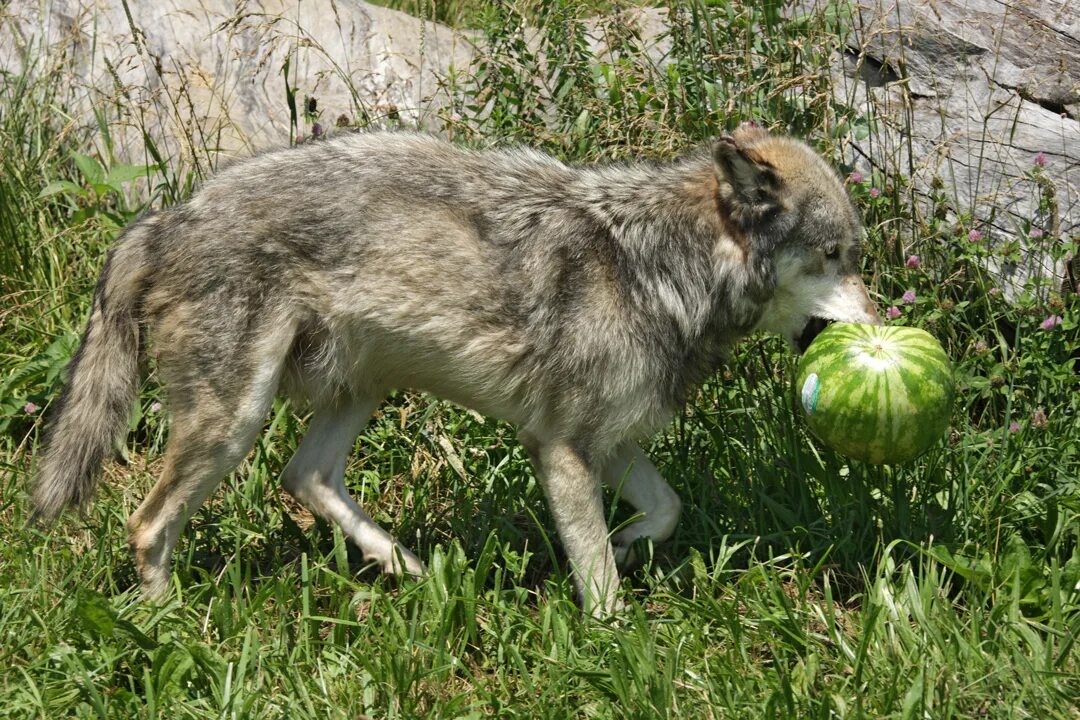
(103, 378)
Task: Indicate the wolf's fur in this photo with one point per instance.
(580, 303)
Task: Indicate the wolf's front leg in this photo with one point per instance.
(574, 495)
(635, 479)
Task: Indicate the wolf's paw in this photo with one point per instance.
(154, 586)
(400, 562)
(631, 551)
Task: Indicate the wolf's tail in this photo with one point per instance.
(103, 379)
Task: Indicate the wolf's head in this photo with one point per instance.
(800, 230)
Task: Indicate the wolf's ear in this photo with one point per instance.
(749, 186)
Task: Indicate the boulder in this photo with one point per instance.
(977, 101)
(208, 78)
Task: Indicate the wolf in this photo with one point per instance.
(580, 303)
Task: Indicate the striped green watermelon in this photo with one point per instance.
(876, 393)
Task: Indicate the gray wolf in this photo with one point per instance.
(581, 303)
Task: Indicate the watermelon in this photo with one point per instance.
(876, 393)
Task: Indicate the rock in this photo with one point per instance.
(967, 94)
(207, 78)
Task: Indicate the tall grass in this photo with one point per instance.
(797, 585)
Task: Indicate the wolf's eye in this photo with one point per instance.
(832, 252)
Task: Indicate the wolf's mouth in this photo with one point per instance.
(810, 331)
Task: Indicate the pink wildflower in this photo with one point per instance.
(1035, 233)
(1051, 322)
(1040, 159)
(913, 261)
(908, 297)
(855, 177)
(892, 313)
(994, 291)
(981, 346)
(30, 408)
(975, 236)
(155, 407)
(874, 192)
(1014, 426)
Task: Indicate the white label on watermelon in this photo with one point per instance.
(810, 393)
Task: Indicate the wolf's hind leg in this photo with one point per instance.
(209, 437)
(316, 477)
(631, 474)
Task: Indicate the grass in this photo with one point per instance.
(797, 585)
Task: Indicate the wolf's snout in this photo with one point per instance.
(859, 300)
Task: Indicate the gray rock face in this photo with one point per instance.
(968, 95)
(208, 77)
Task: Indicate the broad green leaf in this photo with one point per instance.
(60, 186)
(90, 168)
(119, 174)
(95, 614)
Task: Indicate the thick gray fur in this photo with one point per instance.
(582, 304)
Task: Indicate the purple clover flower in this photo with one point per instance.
(1035, 233)
(981, 346)
(975, 236)
(855, 177)
(1040, 159)
(874, 192)
(1014, 427)
(908, 297)
(30, 408)
(155, 407)
(913, 261)
(1051, 322)
(893, 312)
